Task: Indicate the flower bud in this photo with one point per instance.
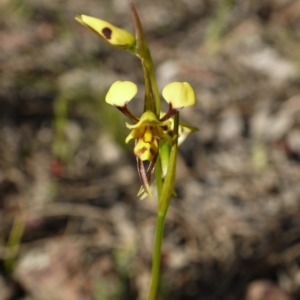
(113, 35)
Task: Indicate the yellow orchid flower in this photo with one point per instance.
(157, 135)
(148, 130)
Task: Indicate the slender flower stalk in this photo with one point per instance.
(161, 213)
(156, 134)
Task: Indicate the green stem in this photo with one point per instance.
(155, 273)
(14, 241)
(158, 178)
(169, 180)
(165, 193)
(155, 90)
(158, 166)
(143, 52)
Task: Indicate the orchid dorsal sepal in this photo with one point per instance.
(179, 95)
(148, 118)
(113, 35)
(120, 93)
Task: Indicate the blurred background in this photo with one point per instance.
(71, 226)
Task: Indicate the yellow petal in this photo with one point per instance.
(146, 151)
(110, 33)
(120, 93)
(129, 137)
(135, 134)
(179, 94)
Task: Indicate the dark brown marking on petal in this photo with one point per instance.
(152, 151)
(141, 151)
(107, 32)
(170, 133)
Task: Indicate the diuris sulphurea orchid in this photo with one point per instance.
(156, 134)
(153, 128)
(153, 131)
(148, 131)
